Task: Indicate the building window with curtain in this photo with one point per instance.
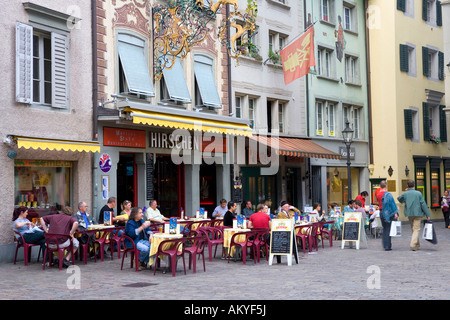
(206, 93)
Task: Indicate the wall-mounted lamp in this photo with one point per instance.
(390, 171)
(406, 171)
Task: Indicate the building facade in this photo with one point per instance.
(337, 92)
(46, 128)
(407, 88)
(164, 131)
(277, 112)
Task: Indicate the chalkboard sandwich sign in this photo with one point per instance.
(282, 239)
(351, 228)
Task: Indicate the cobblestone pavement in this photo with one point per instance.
(331, 273)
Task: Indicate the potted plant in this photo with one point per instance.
(274, 57)
(435, 139)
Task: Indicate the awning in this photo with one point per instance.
(297, 147)
(135, 67)
(203, 71)
(176, 83)
(58, 145)
(188, 122)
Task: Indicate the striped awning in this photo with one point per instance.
(58, 145)
(189, 123)
(297, 147)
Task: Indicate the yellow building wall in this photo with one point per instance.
(393, 91)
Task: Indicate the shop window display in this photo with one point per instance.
(42, 185)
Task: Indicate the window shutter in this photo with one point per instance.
(426, 72)
(401, 5)
(404, 62)
(408, 124)
(60, 71)
(24, 63)
(442, 124)
(441, 65)
(438, 13)
(424, 10)
(426, 122)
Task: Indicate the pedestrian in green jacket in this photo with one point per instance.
(415, 209)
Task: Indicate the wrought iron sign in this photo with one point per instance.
(181, 24)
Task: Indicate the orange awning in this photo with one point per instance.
(297, 147)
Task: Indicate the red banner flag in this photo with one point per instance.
(298, 57)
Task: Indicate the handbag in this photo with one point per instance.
(429, 233)
(396, 229)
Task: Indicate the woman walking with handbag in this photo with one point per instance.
(445, 202)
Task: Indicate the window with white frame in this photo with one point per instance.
(350, 16)
(431, 11)
(352, 69)
(331, 119)
(251, 112)
(42, 58)
(433, 63)
(327, 11)
(319, 118)
(237, 107)
(277, 41)
(325, 62)
(353, 114)
(281, 117)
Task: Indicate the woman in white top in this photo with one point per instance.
(27, 229)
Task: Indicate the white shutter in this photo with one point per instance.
(24, 63)
(60, 70)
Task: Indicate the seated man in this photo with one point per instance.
(247, 211)
(84, 220)
(220, 210)
(153, 214)
(62, 224)
(139, 230)
(230, 215)
(260, 219)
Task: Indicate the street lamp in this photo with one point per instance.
(347, 134)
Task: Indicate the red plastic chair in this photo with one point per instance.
(52, 239)
(172, 253)
(303, 233)
(214, 237)
(84, 247)
(315, 233)
(114, 239)
(244, 245)
(102, 241)
(20, 242)
(328, 231)
(197, 248)
(134, 252)
(260, 241)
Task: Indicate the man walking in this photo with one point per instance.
(388, 214)
(415, 209)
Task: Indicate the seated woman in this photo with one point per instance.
(139, 230)
(27, 229)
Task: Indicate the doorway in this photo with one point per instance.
(126, 180)
(168, 183)
(208, 188)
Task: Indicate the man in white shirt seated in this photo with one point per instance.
(153, 214)
(221, 209)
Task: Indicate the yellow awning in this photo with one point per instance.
(188, 123)
(58, 145)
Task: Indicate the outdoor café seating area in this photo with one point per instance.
(186, 247)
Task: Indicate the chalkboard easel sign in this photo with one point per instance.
(282, 240)
(351, 228)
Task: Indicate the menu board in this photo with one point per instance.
(351, 227)
(173, 226)
(281, 236)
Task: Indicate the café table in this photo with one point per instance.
(197, 223)
(157, 238)
(228, 234)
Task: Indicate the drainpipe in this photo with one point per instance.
(94, 99)
(94, 71)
